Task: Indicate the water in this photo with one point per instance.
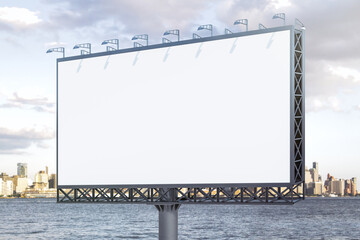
(320, 218)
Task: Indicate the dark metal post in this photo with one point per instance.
(168, 221)
(168, 215)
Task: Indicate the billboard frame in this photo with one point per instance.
(283, 193)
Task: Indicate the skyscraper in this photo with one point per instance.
(22, 170)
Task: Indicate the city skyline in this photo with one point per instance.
(44, 183)
(27, 74)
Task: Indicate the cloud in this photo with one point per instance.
(316, 104)
(346, 73)
(332, 49)
(15, 141)
(54, 44)
(125, 17)
(18, 18)
(41, 104)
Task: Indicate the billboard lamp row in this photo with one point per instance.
(176, 32)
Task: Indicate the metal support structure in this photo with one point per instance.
(299, 105)
(83, 45)
(144, 37)
(165, 40)
(243, 22)
(185, 195)
(175, 32)
(168, 221)
(168, 214)
(136, 44)
(111, 41)
(299, 23)
(227, 31)
(195, 36)
(261, 26)
(208, 27)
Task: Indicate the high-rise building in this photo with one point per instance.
(313, 183)
(337, 187)
(41, 181)
(22, 184)
(307, 176)
(353, 186)
(316, 166)
(52, 181)
(6, 187)
(22, 170)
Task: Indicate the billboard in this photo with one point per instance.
(204, 112)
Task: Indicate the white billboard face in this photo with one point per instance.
(215, 112)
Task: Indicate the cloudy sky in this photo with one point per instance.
(27, 74)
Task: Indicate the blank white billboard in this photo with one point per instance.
(213, 112)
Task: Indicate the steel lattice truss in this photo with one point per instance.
(216, 195)
(222, 195)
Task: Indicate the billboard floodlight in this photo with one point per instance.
(243, 22)
(83, 45)
(299, 23)
(111, 41)
(58, 49)
(208, 27)
(165, 40)
(280, 16)
(175, 32)
(195, 36)
(142, 37)
(261, 26)
(227, 31)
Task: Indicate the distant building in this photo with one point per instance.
(313, 183)
(350, 187)
(337, 187)
(22, 170)
(41, 181)
(4, 176)
(353, 187)
(314, 188)
(52, 181)
(22, 184)
(6, 187)
(308, 177)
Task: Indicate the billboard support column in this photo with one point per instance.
(168, 221)
(168, 214)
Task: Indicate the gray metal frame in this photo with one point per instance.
(212, 193)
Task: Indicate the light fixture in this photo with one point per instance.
(58, 49)
(111, 41)
(208, 27)
(243, 22)
(83, 45)
(142, 37)
(299, 23)
(280, 16)
(175, 32)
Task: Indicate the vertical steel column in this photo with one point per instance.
(168, 221)
(168, 215)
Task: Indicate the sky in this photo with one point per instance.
(28, 74)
